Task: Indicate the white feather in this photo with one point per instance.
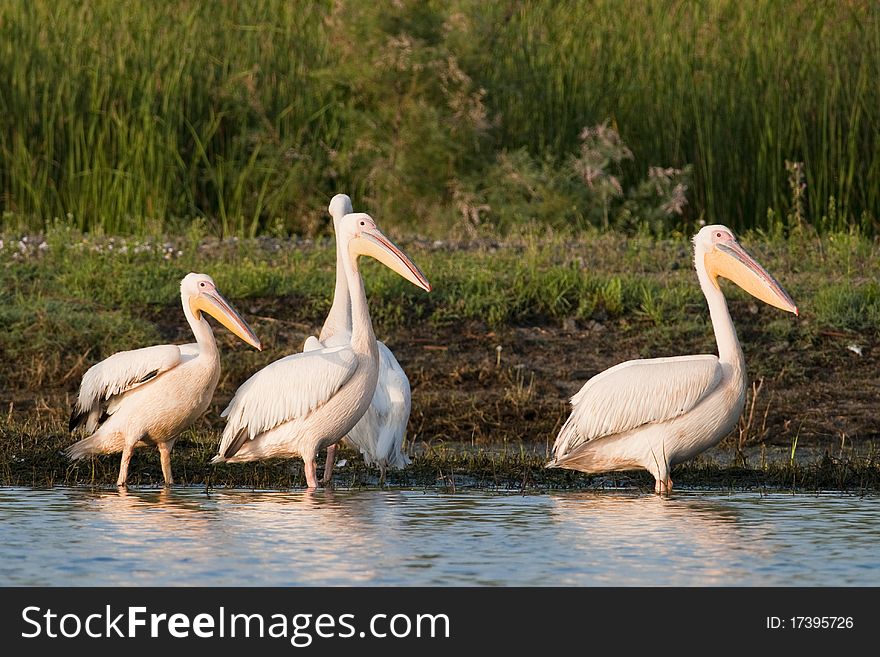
(285, 390)
(120, 373)
(635, 393)
(380, 433)
(313, 344)
(188, 351)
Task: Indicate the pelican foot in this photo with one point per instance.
(663, 486)
(165, 458)
(328, 465)
(311, 475)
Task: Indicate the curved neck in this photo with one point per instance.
(202, 332)
(339, 318)
(363, 340)
(729, 350)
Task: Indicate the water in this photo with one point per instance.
(65, 536)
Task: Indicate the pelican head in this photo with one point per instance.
(722, 255)
(365, 238)
(200, 294)
(340, 205)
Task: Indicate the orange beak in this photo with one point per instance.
(734, 263)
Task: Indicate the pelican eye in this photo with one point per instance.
(202, 284)
(363, 223)
(718, 234)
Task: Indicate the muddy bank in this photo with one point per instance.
(474, 384)
(37, 460)
(487, 405)
(483, 386)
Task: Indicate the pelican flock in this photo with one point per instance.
(308, 401)
(646, 414)
(379, 434)
(655, 413)
(148, 396)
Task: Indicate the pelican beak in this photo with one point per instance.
(372, 242)
(213, 303)
(733, 262)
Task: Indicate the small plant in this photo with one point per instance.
(610, 296)
(658, 202)
(748, 433)
(652, 305)
(797, 184)
(520, 390)
(601, 153)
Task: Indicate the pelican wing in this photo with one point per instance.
(390, 374)
(285, 390)
(380, 432)
(117, 375)
(312, 344)
(634, 393)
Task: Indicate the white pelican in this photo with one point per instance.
(380, 432)
(148, 396)
(658, 412)
(308, 401)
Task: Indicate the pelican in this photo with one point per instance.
(148, 396)
(655, 413)
(380, 432)
(303, 403)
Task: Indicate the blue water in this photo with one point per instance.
(65, 536)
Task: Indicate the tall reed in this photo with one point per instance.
(132, 117)
(734, 88)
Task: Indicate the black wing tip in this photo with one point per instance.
(236, 444)
(76, 420)
(148, 376)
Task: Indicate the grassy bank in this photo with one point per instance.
(512, 329)
(534, 276)
(138, 118)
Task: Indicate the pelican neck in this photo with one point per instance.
(201, 330)
(363, 340)
(729, 350)
(339, 319)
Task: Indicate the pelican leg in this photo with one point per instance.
(165, 458)
(382, 470)
(311, 473)
(663, 486)
(123, 465)
(328, 465)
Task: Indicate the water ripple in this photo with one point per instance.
(396, 537)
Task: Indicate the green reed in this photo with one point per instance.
(138, 118)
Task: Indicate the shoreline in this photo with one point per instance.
(451, 468)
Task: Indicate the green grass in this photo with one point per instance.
(733, 88)
(247, 117)
(544, 276)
